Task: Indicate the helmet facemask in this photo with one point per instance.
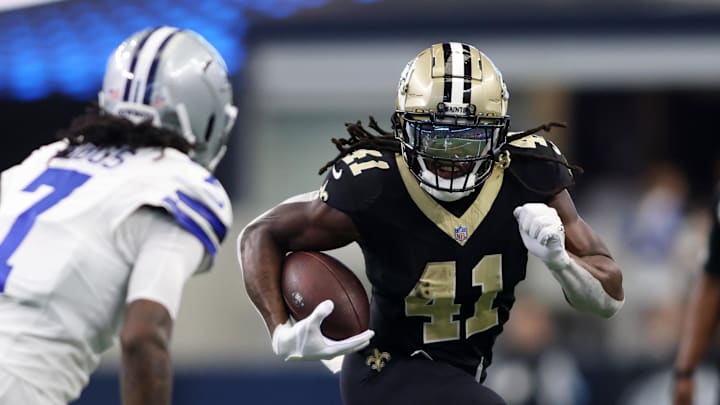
(449, 155)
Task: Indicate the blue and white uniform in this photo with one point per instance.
(81, 237)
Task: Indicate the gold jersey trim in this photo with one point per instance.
(442, 218)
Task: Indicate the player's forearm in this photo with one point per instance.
(261, 260)
(699, 324)
(586, 285)
(606, 271)
(146, 373)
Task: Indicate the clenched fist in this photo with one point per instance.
(543, 234)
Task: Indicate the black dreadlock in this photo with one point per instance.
(361, 138)
(106, 130)
(544, 127)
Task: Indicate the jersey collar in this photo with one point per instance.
(460, 229)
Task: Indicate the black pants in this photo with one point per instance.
(409, 380)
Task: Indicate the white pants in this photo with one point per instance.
(14, 391)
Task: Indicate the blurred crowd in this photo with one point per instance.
(550, 354)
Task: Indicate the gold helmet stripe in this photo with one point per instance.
(438, 61)
(476, 68)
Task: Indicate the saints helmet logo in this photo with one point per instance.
(378, 360)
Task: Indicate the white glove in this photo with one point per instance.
(543, 234)
(303, 340)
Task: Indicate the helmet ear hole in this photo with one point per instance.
(209, 128)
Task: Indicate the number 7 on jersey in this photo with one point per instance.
(63, 182)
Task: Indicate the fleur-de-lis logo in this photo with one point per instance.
(377, 360)
(503, 160)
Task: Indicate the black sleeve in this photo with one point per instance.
(355, 182)
(712, 265)
(539, 165)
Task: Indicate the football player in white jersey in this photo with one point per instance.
(100, 230)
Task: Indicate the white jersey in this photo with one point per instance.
(63, 279)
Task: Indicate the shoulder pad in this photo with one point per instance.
(536, 145)
(356, 180)
(46, 152)
(193, 196)
(203, 210)
(539, 165)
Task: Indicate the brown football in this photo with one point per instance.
(309, 278)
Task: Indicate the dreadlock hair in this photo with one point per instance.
(361, 138)
(544, 127)
(101, 129)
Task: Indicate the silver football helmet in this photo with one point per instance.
(451, 118)
(177, 80)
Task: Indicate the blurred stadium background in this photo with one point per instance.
(638, 83)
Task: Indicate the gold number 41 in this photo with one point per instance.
(358, 167)
(434, 297)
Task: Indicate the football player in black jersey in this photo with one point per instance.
(701, 320)
(445, 210)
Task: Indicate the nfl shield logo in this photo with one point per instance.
(461, 233)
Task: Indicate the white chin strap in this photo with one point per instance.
(445, 195)
(430, 177)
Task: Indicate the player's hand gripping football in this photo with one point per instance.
(543, 234)
(303, 340)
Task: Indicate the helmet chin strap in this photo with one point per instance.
(447, 196)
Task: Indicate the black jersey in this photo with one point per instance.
(443, 275)
(712, 265)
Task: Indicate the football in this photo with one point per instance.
(309, 278)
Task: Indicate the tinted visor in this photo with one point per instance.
(451, 141)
